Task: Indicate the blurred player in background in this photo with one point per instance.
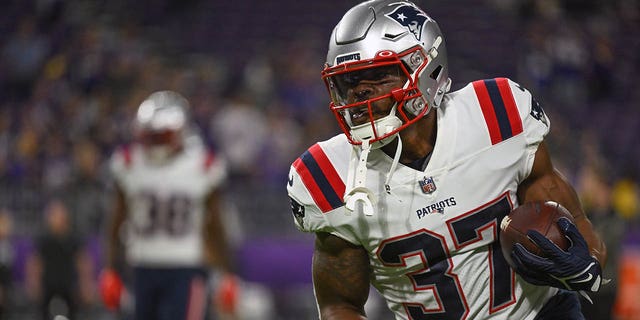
(58, 259)
(167, 216)
(411, 196)
(6, 260)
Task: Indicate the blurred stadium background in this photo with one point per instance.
(72, 73)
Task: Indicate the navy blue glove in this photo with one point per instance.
(574, 269)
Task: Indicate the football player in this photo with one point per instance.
(410, 197)
(167, 214)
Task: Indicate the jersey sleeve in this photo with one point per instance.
(308, 217)
(119, 163)
(510, 111)
(215, 169)
(316, 203)
(535, 123)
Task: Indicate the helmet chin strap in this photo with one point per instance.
(357, 192)
(394, 164)
(356, 181)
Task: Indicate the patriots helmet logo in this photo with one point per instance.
(411, 18)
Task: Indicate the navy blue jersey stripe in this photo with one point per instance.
(499, 108)
(322, 182)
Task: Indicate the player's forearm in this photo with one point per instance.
(217, 255)
(109, 259)
(341, 274)
(596, 245)
(118, 217)
(340, 313)
(216, 246)
(562, 192)
(113, 250)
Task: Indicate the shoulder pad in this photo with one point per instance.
(499, 108)
(122, 158)
(320, 178)
(214, 167)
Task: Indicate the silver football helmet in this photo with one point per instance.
(378, 35)
(160, 123)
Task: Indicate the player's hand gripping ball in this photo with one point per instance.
(541, 216)
(544, 246)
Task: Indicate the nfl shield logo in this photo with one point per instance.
(427, 185)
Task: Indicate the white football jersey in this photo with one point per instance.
(166, 204)
(433, 238)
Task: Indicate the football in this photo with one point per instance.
(541, 216)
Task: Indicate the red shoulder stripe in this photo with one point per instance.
(498, 108)
(321, 178)
(126, 154)
(487, 111)
(328, 169)
(209, 159)
(510, 105)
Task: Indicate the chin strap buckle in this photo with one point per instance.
(363, 195)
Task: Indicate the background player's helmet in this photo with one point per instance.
(382, 33)
(160, 123)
